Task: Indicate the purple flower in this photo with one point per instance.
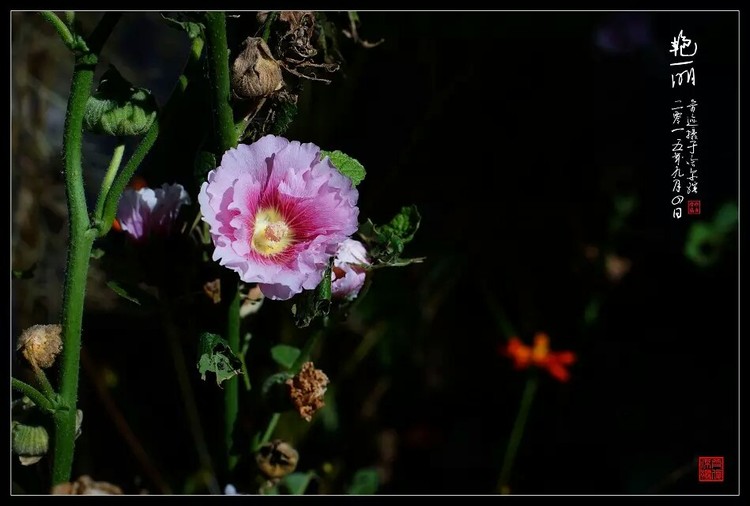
(146, 212)
(277, 211)
(349, 269)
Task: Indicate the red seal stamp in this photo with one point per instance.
(711, 469)
(694, 207)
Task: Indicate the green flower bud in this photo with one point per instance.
(118, 108)
(30, 442)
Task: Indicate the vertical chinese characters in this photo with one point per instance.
(684, 125)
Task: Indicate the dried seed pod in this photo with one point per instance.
(307, 390)
(276, 459)
(85, 485)
(40, 344)
(255, 72)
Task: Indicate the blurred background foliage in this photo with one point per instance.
(536, 147)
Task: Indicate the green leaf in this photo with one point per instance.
(297, 483)
(97, 253)
(312, 304)
(188, 22)
(365, 482)
(285, 355)
(118, 108)
(347, 165)
(132, 292)
(217, 357)
(386, 242)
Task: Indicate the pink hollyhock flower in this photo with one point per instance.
(145, 212)
(277, 211)
(349, 269)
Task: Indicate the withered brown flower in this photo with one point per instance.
(307, 390)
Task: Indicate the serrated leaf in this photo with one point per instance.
(217, 357)
(131, 292)
(365, 482)
(313, 304)
(285, 355)
(118, 108)
(187, 22)
(347, 165)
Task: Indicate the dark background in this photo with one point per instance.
(518, 136)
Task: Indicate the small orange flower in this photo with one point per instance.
(554, 362)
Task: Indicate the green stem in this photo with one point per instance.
(272, 423)
(81, 239)
(517, 434)
(267, 25)
(114, 166)
(232, 385)
(226, 138)
(62, 29)
(32, 393)
(41, 377)
(147, 142)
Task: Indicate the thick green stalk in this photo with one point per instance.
(112, 199)
(81, 238)
(218, 64)
(226, 138)
(517, 434)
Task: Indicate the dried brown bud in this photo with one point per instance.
(213, 290)
(276, 459)
(255, 72)
(296, 18)
(307, 390)
(40, 344)
(86, 486)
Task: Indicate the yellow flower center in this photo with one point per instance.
(271, 234)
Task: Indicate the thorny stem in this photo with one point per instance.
(147, 142)
(32, 393)
(226, 137)
(517, 434)
(114, 166)
(81, 239)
